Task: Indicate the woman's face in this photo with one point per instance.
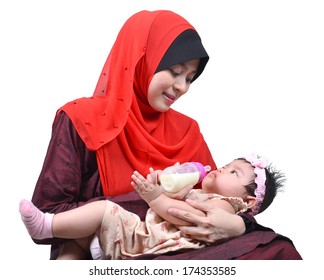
(168, 85)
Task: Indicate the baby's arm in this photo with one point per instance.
(152, 193)
(162, 203)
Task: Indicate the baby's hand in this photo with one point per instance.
(148, 189)
(153, 176)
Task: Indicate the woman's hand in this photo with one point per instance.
(217, 226)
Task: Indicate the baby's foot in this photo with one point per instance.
(147, 190)
(38, 224)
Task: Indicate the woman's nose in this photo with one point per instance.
(181, 86)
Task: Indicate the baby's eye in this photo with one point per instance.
(234, 172)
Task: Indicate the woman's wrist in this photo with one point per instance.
(249, 223)
(239, 226)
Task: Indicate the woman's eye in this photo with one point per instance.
(178, 72)
(174, 73)
(189, 80)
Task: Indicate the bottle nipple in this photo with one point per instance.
(202, 170)
(207, 168)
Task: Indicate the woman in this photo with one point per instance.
(122, 128)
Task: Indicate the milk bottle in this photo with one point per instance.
(174, 178)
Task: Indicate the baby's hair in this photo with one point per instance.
(275, 180)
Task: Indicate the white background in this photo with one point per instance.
(260, 92)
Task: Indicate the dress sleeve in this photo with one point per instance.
(249, 222)
(69, 177)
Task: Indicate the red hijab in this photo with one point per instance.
(118, 123)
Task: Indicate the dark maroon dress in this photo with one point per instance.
(70, 175)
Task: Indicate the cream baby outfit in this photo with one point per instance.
(124, 235)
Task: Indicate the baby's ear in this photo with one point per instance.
(250, 200)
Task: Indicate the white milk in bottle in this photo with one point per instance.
(174, 178)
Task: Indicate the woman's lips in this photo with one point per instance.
(169, 98)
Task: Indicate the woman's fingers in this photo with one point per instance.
(185, 215)
(203, 206)
(197, 233)
(208, 229)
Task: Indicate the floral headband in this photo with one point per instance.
(259, 165)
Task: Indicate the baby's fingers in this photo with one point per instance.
(152, 176)
(138, 175)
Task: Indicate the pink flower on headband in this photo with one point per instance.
(259, 165)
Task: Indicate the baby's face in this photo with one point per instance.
(230, 179)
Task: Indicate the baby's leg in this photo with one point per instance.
(75, 249)
(79, 222)
(38, 224)
(76, 223)
(148, 189)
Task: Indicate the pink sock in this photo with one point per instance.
(38, 224)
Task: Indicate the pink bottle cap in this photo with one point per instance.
(202, 170)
